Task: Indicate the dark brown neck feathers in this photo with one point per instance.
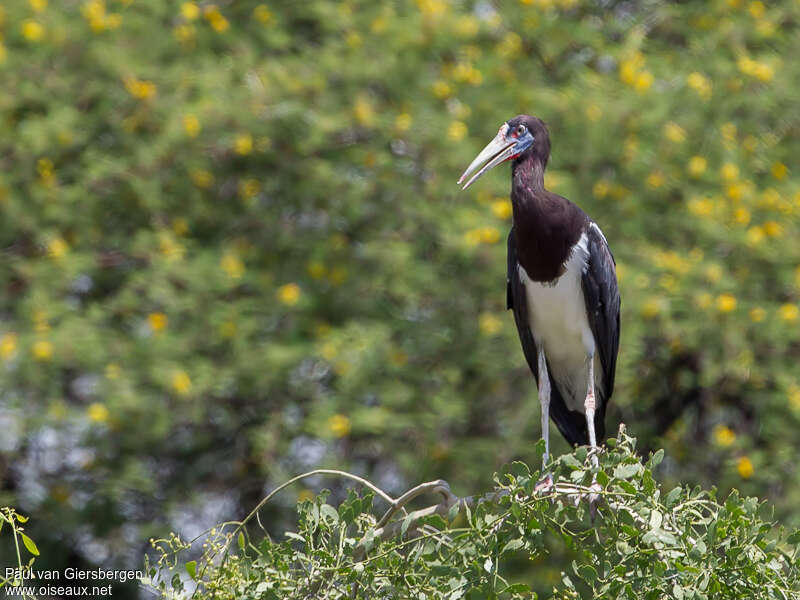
(546, 225)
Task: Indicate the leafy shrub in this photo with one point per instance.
(645, 542)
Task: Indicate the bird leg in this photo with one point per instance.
(589, 406)
(546, 483)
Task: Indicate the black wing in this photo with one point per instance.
(571, 424)
(601, 294)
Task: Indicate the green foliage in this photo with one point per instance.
(14, 524)
(233, 248)
(646, 542)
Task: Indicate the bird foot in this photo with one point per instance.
(594, 499)
(544, 485)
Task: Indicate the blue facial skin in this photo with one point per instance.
(523, 143)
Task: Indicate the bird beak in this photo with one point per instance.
(496, 151)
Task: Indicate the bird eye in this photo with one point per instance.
(521, 129)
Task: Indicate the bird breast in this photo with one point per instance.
(558, 322)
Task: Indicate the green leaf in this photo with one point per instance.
(626, 471)
(328, 512)
(512, 545)
(406, 522)
(488, 565)
(656, 459)
(516, 588)
(29, 544)
(453, 512)
(21, 518)
(672, 497)
(191, 568)
(240, 540)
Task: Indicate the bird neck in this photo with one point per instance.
(546, 226)
(527, 183)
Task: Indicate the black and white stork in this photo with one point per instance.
(562, 287)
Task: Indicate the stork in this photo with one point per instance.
(561, 286)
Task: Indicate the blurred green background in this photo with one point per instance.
(233, 248)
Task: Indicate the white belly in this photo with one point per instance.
(557, 315)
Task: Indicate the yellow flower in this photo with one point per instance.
(757, 314)
(113, 371)
(190, 11)
(794, 396)
(697, 166)
(729, 172)
(97, 412)
(32, 31)
(243, 144)
(457, 131)
(728, 131)
(744, 467)
(191, 124)
(749, 143)
(593, 112)
(363, 111)
(57, 248)
(202, 178)
(755, 235)
(700, 84)
(353, 40)
(651, 308)
(773, 229)
(432, 9)
(232, 266)
(756, 9)
(655, 179)
(43, 350)
(262, 14)
(643, 81)
(467, 26)
(629, 68)
(441, 89)
(726, 303)
(713, 273)
(169, 248)
(674, 132)
(228, 329)
(703, 300)
(139, 88)
(601, 189)
(501, 209)
(402, 122)
(181, 382)
(779, 170)
(184, 33)
(157, 321)
(489, 324)
(304, 495)
(8, 345)
(216, 19)
(789, 312)
(724, 436)
(249, 188)
(38, 5)
(316, 269)
(289, 294)
(741, 216)
(339, 425)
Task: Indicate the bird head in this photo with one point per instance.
(516, 139)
